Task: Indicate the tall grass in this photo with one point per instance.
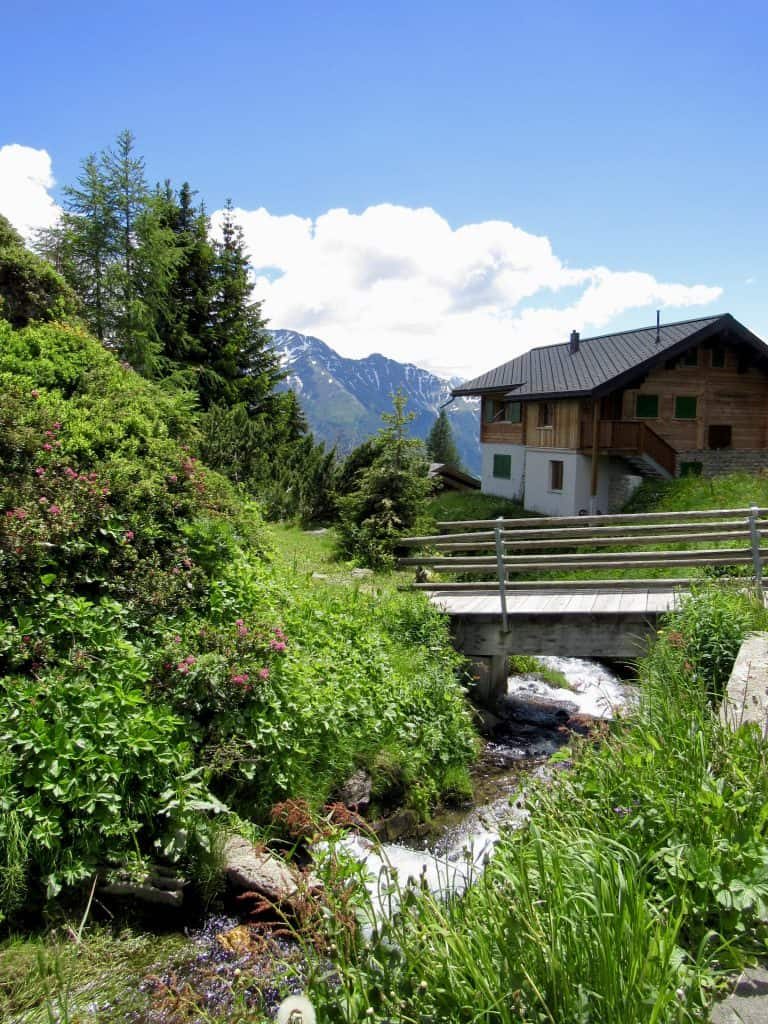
(640, 880)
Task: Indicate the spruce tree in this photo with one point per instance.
(242, 364)
(441, 446)
(391, 493)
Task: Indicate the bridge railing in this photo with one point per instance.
(515, 553)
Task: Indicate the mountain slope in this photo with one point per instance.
(343, 399)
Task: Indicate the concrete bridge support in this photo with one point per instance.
(481, 639)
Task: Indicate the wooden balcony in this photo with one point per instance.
(632, 439)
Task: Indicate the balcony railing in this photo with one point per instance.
(630, 437)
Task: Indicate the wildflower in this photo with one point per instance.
(54, 510)
(239, 678)
(49, 433)
(56, 426)
(43, 501)
(190, 659)
(263, 673)
(172, 478)
(47, 447)
(622, 812)
(183, 667)
(277, 645)
(242, 629)
(35, 393)
(177, 639)
(279, 633)
(40, 471)
(70, 473)
(129, 535)
(187, 563)
(423, 986)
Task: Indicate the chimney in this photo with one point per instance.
(658, 326)
(573, 345)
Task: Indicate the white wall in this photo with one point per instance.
(512, 488)
(530, 476)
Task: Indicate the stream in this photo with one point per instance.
(531, 723)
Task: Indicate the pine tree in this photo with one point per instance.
(441, 446)
(242, 364)
(391, 494)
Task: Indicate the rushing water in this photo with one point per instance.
(532, 721)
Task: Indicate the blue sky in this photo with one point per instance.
(611, 158)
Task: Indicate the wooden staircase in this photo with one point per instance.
(635, 442)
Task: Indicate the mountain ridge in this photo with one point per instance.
(343, 398)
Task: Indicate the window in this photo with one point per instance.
(690, 468)
(647, 407)
(717, 358)
(719, 437)
(691, 357)
(502, 467)
(546, 414)
(503, 412)
(556, 475)
(685, 407)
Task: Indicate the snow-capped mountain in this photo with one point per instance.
(343, 399)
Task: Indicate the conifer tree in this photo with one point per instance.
(441, 446)
(242, 363)
(391, 493)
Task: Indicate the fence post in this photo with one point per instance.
(754, 535)
(502, 573)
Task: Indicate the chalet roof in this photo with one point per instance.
(605, 362)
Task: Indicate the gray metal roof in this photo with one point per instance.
(604, 362)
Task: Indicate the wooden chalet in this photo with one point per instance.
(572, 428)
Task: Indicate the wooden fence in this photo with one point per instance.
(501, 551)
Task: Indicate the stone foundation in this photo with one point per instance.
(716, 462)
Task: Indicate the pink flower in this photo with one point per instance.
(190, 659)
(43, 501)
(263, 673)
(240, 679)
(277, 645)
(40, 471)
(70, 473)
(172, 478)
(49, 433)
(279, 633)
(183, 668)
(47, 447)
(56, 426)
(35, 393)
(54, 510)
(177, 639)
(187, 563)
(128, 536)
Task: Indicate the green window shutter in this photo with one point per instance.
(685, 408)
(515, 412)
(647, 406)
(502, 466)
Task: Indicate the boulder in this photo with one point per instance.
(249, 869)
(356, 791)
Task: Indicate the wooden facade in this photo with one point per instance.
(731, 408)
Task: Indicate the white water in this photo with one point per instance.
(597, 692)
(462, 853)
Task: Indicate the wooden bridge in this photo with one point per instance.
(525, 603)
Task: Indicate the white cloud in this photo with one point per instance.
(25, 178)
(402, 282)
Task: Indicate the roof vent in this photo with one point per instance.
(658, 326)
(573, 345)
